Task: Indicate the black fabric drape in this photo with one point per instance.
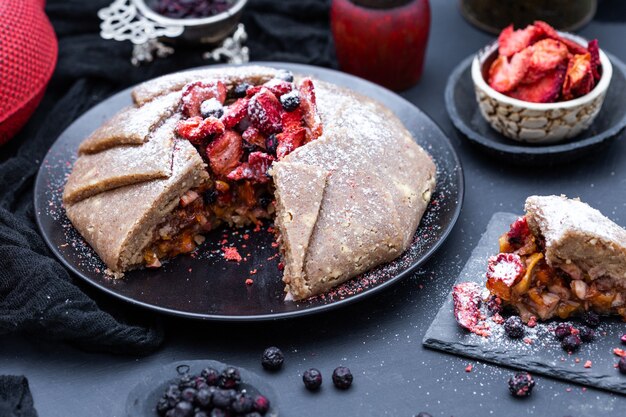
(38, 297)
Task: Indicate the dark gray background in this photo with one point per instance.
(380, 338)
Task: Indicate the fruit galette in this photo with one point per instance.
(342, 178)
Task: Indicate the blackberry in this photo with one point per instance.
(494, 305)
(587, 335)
(200, 414)
(285, 76)
(216, 412)
(182, 409)
(312, 379)
(514, 328)
(204, 397)
(271, 143)
(211, 108)
(571, 343)
(254, 414)
(209, 198)
(242, 404)
(521, 384)
(621, 365)
(163, 406)
(591, 319)
(223, 398)
(261, 404)
(172, 392)
(423, 414)
(240, 90)
(186, 382)
(272, 358)
(230, 378)
(188, 394)
(290, 101)
(342, 377)
(562, 330)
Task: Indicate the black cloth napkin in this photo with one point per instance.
(15, 397)
(38, 297)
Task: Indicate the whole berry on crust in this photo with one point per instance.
(521, 384)
(571, 343)
(514, 328)
(272, 358)
(342, 377)
(312, 379)
(562, 330)
(240, 90)
(290, 101)
(211, 108)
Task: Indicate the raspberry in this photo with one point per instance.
(519, 231)
(466, 297)
(521, 384)
(225, 152)
(197, 92)
(503, 272)
(196, 129)
(264, 112)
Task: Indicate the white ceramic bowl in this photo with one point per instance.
(543, 123)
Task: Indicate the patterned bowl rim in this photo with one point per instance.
(599, 89)
(236, 7)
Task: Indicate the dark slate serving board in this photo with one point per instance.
(544, 355)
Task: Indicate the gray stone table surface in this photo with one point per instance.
(379, 338)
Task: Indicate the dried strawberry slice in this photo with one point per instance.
(594, 50)
(195, 93)
(547, 54)
(309, 109)
(579, 77)
(503, 272)
(519, 231)
(196, 129)
(292, 120)
(466, 297)
(504, 75)
(513, 41)
(235, 113)
(545, 90)
(254, 137)
(288, 141)
(278, 87)
(255, 169)
(548, 31)
(264, 112)
(225, 152)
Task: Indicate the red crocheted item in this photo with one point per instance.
(28, 55)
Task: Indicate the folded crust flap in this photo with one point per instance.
(299, 194)
(122, 165)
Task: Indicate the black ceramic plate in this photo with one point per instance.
(205, 285)
(143, 398)
(463, 110)
(544, 355)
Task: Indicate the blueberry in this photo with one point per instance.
(188, 394)
(285, 75)
(223, 398)
(271, 143)
(342, 377)
(172, 392)
(186, 382)
(514, 328)
(200, 414)
(242, 404)
(291, 100)
(216, 412)
(182, 409)
(211, 108)
(562, 330)
(212, 377)
(312, 379)
(587, 335)
(230, 378)
(621, 365)
(261, 404)
(254, 414)
(204, 397)
(273, 357)
(240, 90)
(571, 343)
(591, 319)
(521, 384)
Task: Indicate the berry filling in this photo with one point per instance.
(239, 133)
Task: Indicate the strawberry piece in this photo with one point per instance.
(513, 41)
(235, 113)
(264, 111)
(255, 169)
(466, 297)
(252, 90)
(292, 120)
(195, 93)
(545, 90)
(594, 50)
(225, 152)
(548, 31)
(278, 87)
(309, 109)
(288, 141)
(254, 137)
(547, 54)
(579, 77)
(504, 75)
(519, 231)
(196, 129)
(503, 272)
